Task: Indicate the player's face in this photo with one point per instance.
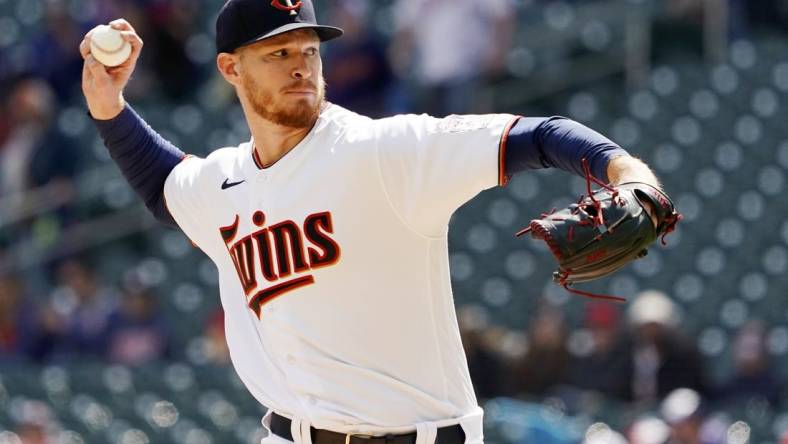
(282, 78)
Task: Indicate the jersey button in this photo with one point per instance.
(290, 359)
(312, 400)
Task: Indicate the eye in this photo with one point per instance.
(311, 51)
(280, 53)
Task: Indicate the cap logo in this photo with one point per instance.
(289, 6)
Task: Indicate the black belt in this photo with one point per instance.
(280, 426)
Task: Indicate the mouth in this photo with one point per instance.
(301, 92)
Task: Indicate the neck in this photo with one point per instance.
(272, 141)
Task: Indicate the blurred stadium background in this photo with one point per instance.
(110, 326)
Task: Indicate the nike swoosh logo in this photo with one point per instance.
(227, 184)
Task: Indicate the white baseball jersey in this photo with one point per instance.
(333, 266)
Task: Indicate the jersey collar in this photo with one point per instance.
(253, 162)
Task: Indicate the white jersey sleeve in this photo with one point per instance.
(187, 200)
(431, 166)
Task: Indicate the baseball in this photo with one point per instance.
(108, 47)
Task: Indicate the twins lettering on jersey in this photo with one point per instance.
(267, 259)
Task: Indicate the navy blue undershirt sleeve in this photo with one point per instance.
(557, 142)
(144, 157)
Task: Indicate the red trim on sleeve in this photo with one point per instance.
(502, 179)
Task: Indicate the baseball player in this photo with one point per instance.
(329, 229)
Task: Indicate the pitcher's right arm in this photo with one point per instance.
(143, 156)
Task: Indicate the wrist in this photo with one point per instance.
(107, 111)
(625, 169)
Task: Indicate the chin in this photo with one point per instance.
(305, 103)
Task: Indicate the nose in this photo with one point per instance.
(301, 70)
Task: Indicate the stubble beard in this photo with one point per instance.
(300, 114)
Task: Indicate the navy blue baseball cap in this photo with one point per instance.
(243, 22)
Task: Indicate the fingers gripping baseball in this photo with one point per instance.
(103, 86)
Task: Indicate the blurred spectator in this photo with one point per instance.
(82, 308)
(36, 422)
(484, 364)
(602, 434)
(137, 332)
(216, 343)
(690, 10)
(449, 47)
(678, 29)
(772, 13)
(30, 433)
(684, 412)
(170, 25)
(753, 377)
(357, 72)
(663, 359)
(54, 54)
(608, 368)
(19, 336)
(131, 10)
(34, 152)
(648, 430)
(545, 364)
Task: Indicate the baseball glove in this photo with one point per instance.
(603, 231)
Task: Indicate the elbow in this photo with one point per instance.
(157, 206)
(553, 129)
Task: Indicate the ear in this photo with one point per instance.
(229, 67)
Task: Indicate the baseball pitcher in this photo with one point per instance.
(329, 229)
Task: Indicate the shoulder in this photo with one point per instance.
(226, 160)
(342, 121)
(193, 190)
(219, 164)
(350, 129)
(422, 125)
(216, 161)
(355, 125)
(402, 123)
